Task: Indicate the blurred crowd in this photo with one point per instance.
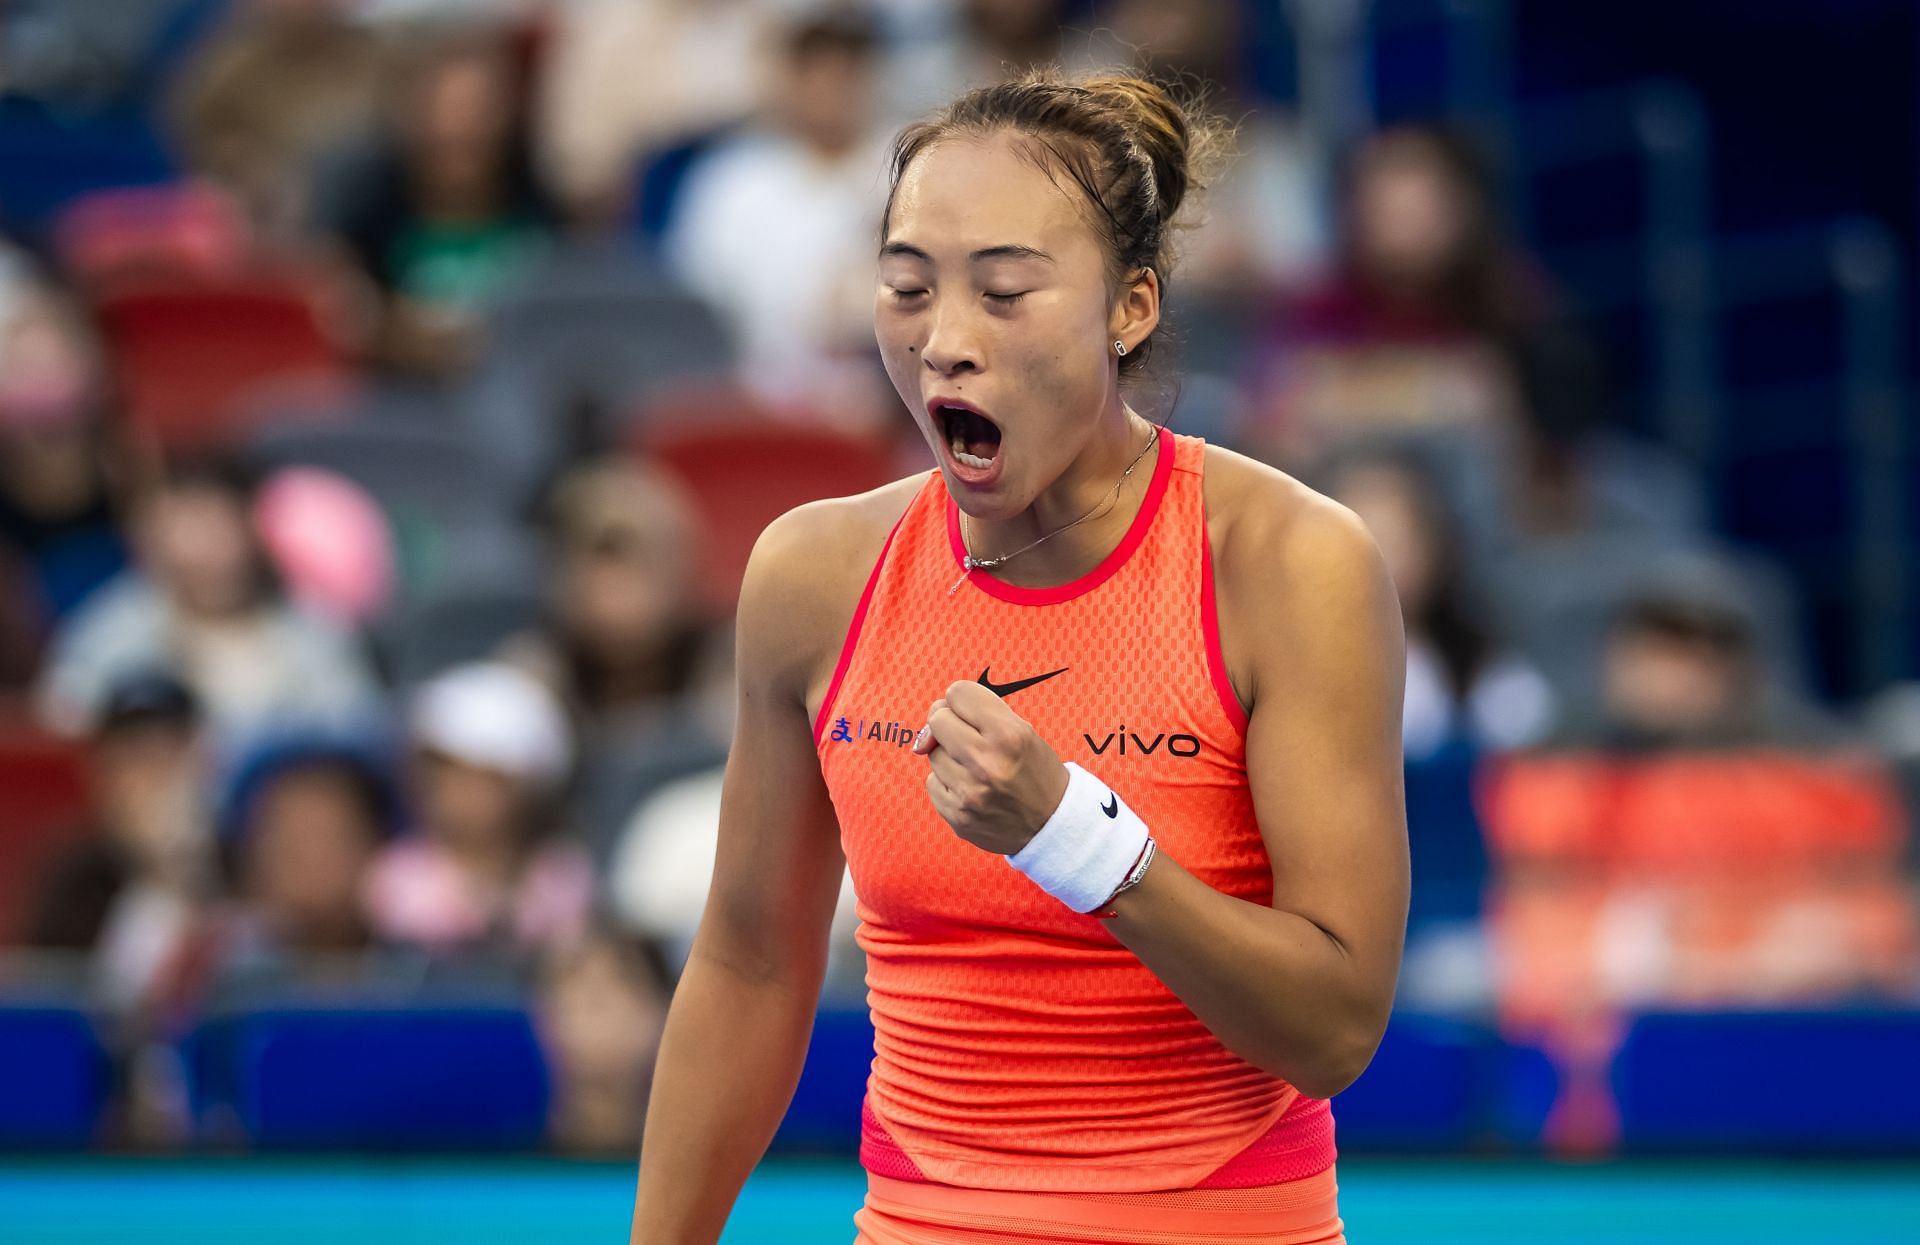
(390, 389)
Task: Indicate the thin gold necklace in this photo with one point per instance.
(970, 564)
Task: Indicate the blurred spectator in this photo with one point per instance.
(301, 817)
(444, 209)
(776, 228)
(1008, 37)
(705, 68)
(626, 650)
(203, 601)
(278, 85)
(304, 818)
(488, 868)
(601, 1004)
(129, 890)
(626, 634)
(1463, 685)
(1680, 669)
(1265, 228)
(939, 49)
(1693, 842)
(1409, 329)
(58, 518)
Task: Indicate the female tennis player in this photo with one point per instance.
(1106, 723)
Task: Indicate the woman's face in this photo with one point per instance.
(199, 542)
(1409, 218)
(311, 842)
(621, 597)
(466, 807)
(993, 292)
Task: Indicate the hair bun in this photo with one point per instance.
(1165, 130)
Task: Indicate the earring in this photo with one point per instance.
(1119, 347)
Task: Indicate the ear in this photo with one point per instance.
(1136, 312)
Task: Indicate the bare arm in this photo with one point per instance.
(1301, 989)
(743, 1011)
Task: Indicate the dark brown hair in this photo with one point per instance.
(1133, 148)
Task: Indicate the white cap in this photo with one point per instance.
(494, 716)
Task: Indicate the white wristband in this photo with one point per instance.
(1087, 848)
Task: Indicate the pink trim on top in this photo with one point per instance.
(1300, 1144)
(853, 631)
(1210, 624)
(880, 1153)
(1136, 533)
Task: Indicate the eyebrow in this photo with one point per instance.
(1006, 251)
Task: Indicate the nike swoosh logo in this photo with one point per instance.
(1112, 807)
(1008, 689)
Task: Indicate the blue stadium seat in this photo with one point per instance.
(1424, 1090)
(1449, 855)
(825, 1114)
(1529, 1086)
(1780, 1081)
(54, 1077)
(375, 1078)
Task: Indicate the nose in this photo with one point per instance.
(951, 348)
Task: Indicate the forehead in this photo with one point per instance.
(965, 193)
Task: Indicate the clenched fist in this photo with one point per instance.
(991, 776)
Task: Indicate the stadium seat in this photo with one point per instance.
(54, 1078)
(1424, 1090)
(188, 353)
(745, 473)
(461, 623)
(1835, 1081)
(43, 802)
(373, 1078)
(825, 1114)
(1449, 853)
(571, 350)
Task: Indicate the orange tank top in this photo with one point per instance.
(1018, 1044)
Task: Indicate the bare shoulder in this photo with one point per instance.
(1262, 520)
(804, 581)
(1287, 559)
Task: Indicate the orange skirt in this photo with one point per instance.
(905, 1212)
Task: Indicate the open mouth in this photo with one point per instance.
(973, 438)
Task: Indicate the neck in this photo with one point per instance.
(1088, 484)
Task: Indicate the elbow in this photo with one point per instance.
(1339, 1064)
(1333, 1079)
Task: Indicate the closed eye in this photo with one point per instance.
(1008, 300)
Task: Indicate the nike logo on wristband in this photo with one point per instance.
(1008, 689)
(1112, 807)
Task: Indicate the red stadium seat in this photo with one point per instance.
(43, 803)
(188, 354)
(745, 471)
